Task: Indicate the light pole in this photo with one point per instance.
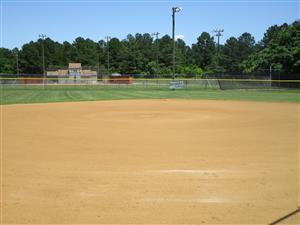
(43, 36)
(107, 45)
(174, 10)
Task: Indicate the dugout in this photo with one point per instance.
(120, 79)
(30, 79)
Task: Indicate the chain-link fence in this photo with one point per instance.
(222, 83)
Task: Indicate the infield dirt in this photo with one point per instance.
(150, 161)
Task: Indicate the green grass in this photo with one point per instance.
(38, 94)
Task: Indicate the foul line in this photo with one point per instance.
(285, 217)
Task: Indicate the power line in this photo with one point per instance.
(17, 62)
(218, 34)
(157, 47)
(156, 34)
(107, 45)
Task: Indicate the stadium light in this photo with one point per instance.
(174, 10)
(177, 9)
(43, 36)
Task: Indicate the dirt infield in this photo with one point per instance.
(150, 161)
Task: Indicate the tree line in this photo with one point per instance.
(279, 50)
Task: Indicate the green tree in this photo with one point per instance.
(86, 52)
(204, 50)
(235, 51)
(7, 61)
(280, 49)
(229, 57)
(137, 54)
(31, 58)
(166, 53)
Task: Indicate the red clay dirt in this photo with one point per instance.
(150, 161)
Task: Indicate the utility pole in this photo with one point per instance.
(43, 36)
(174, 10)
(218, 34)
(157, 47)
(107, 46)
(98, 63)
(271, 75)
(17, 59)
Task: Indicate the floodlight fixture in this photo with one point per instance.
(177, 9)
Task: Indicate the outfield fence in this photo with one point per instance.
(206, 83)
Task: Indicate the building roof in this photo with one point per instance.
(74, 65)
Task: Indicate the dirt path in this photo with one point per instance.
(153, 161)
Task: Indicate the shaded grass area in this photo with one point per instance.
(39, 94)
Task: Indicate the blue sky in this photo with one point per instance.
(22, 21)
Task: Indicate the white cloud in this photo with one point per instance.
(179, 37)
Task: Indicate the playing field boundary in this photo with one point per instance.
(286, 217)
(149, 79)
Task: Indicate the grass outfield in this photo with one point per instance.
(39, 94)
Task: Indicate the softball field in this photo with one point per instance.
(150, 161)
